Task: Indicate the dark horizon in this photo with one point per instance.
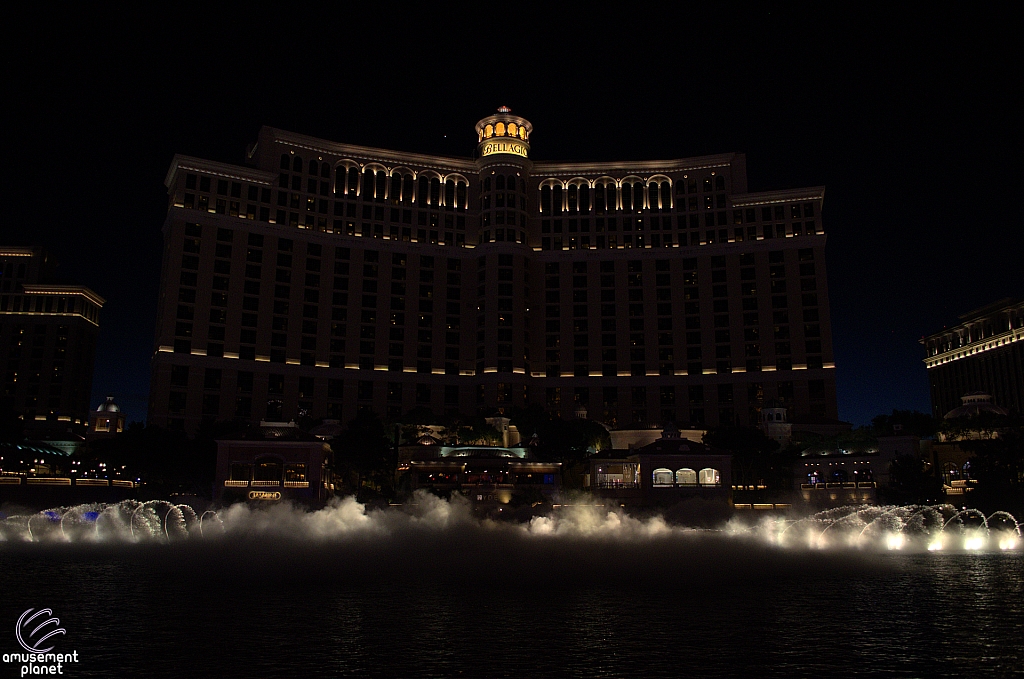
(914, 146)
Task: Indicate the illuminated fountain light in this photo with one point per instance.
(1005, 530)
(894, 541)
(974, 541)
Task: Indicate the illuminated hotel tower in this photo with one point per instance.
(503, 283)
(324, 277)
(48, 337)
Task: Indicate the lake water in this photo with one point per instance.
(460, 598)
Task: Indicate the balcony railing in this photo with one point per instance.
(61, 481)
(230, 483)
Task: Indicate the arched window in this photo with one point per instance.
(422, 190)
(435, 191)
(584, 198)
(638, 196)
(449, 194)
(460, 195)
(556, 199)
(339, 180)
(325, 170)
(285, 161)
(627, 197)
(573, 196)
(611, 196)
(662, 477)
(408, 188)
(367, 192)
(499, 182)
(313, 167)
(381, 181)
(353, 181)
(686, 477)
(297, 164)
(487, 184)
(666, 196)
(652, 196)
(545, 200)
(395, 196)
(709, 477)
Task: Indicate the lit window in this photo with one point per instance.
(662, 477)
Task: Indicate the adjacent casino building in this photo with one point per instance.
(320, 278)
(982, 353)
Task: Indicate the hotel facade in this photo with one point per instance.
(320, 278)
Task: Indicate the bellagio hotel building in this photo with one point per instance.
(320, 278)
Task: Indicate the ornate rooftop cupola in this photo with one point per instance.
(503, 135)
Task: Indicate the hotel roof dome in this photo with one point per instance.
(974, 404)
(108, 406)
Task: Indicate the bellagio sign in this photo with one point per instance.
(515, 148)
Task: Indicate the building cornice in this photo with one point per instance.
(36, 289)
(771, 197)
(638, 167)
(210, 167)
(330, 148)
(9, 251)
(975, 348)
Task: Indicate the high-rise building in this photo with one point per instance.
(47, 340)
(323, 277)
(983, 353)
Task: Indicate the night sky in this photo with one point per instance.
(909, 121)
